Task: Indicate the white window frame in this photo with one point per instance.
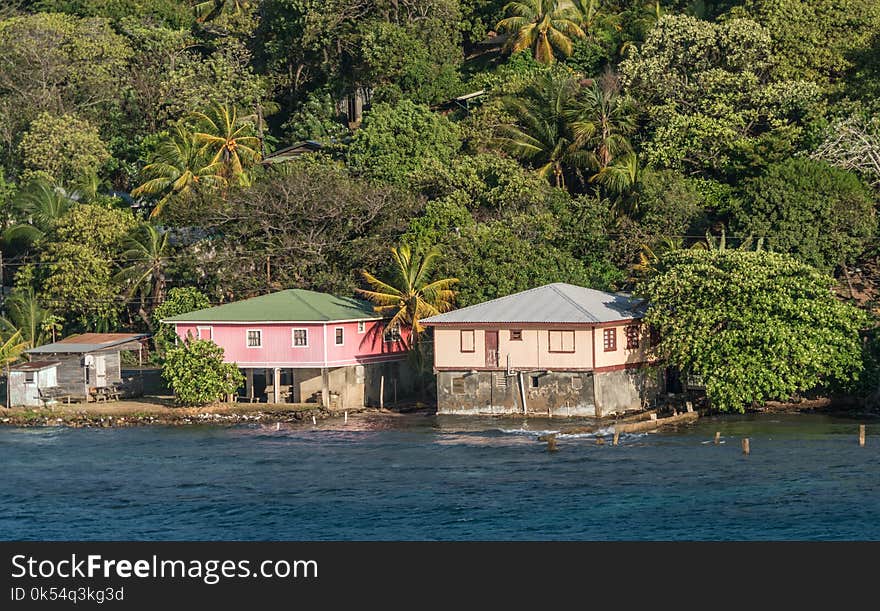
(336, 343)
(362, 326)
(388, 332)
(293, 337)
(247, 338)
(210, 329)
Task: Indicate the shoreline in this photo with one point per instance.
(160, 411)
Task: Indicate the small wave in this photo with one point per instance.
(527, 432)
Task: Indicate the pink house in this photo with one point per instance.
(557, 349)
(299, 346)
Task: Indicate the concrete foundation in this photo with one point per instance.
(557, 393)
(351, 386)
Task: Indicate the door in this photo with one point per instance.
(100, 371)
(491, 348)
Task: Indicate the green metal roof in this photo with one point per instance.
(292, 305)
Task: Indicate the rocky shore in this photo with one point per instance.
(132, 413)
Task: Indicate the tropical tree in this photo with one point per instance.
(590, 15)
(602, 120)
(143, 273)
(178, 169)
(11, 349)
(542, 26)
(542, 134)
(410, 295)
(40, 206)
(26, 316)
(208, 10)
(755, 326)
(229, 140)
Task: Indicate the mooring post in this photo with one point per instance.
(862, 435)
(346, 416)
(689, 405)
(381, 392)
(277, 426)
(616, 437)
(717, 437)
(314, 421)
(746, 449)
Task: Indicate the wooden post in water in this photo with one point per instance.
(616, 437)
(862, 435)
(381, 392)
(746, 449)
(717, 437)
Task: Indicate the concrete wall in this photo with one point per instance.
(357, 385)
(491, 392)
(560, 393)
(618, 391)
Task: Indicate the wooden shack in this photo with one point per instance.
(86, 367)
(29, 383)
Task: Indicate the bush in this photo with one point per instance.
(197, 374)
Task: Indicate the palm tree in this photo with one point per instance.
(146, 256)
(229, 140)
(410, 295)
(601, 120)
(208, 10)
(11, 349)
(542, 134)
(27, 317)
(590, 15)
(179, 168)
(620, 176)
(41, 205)
(539, 25)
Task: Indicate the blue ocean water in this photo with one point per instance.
(441, 478)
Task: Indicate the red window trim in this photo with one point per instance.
(609, 333)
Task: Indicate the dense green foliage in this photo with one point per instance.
(754, 325)
(527, 142)
(196, 373)
(180, 300)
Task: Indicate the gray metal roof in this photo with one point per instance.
(91, 342)
(551, 303)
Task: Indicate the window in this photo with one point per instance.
(205, 333)
(458, 386)
(340, 336)
(536, 381)
(29, 377)
(362, 326)
(254, 338)
(609, 339)
(561, 341)
(516, 335)
(467, 340)
(300, 338)
(632, 337)
(392, 334)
